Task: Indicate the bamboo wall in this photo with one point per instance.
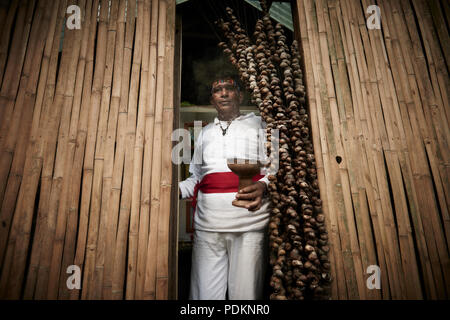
(378, 99)
(85, 146)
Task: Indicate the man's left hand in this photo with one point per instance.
(253, 192)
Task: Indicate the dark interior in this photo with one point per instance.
(202, 60)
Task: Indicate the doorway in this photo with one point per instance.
(201, 60)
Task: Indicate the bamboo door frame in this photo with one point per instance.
(174, 208)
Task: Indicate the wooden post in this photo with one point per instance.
(162, 267)
(174, 223)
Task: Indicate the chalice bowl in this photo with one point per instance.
(245, 169)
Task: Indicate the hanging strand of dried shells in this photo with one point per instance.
(271, 72)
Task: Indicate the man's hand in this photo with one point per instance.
(253, 192)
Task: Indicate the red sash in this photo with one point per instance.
(218, 182)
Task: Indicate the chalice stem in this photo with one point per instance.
(245, 182)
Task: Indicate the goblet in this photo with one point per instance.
(245, 169)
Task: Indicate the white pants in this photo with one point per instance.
(236, 260)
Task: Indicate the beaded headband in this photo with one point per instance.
(229, 81)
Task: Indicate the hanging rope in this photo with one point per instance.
(270, 70)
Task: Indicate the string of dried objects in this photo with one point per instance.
(271, 72)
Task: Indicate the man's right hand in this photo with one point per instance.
(253, 192)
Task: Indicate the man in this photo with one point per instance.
(229, 249)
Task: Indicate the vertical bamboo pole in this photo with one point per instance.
(120, 268)
(3, 15)
(77, 120)
(144, 218)
(347, 194)
(376, 137)
(14, 66)
(6, 21)
(80, 151)
(7, 99)
(438, 70)
(351, 132)
(162, 257)
(358, 80)
(405, 98)
(338, 285)
(97, 85)
(377, 167)
(396, 277)
(98, 187)
(379, 130)
(440, 115)
(133, 233)
(442, 31)
(350, 253)
(8, 202)
(150, 274)
(110, 160)
(8, 95)
(396, 162)
(437, 151)
(394, 140)
(422, 165)
(15, 71)
(10, 285)
(419, 128)
(36, 147)
(116, 184)
(10, 137)
(63, 163)
(174, 223)
(358, 126)
(52, 171)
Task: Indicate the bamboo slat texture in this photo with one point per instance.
(378, 100)
(79, 108)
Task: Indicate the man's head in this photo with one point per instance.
(226, 97)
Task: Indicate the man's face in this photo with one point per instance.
(225, 97)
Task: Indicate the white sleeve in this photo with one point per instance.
(187, 186)
(264, 170)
